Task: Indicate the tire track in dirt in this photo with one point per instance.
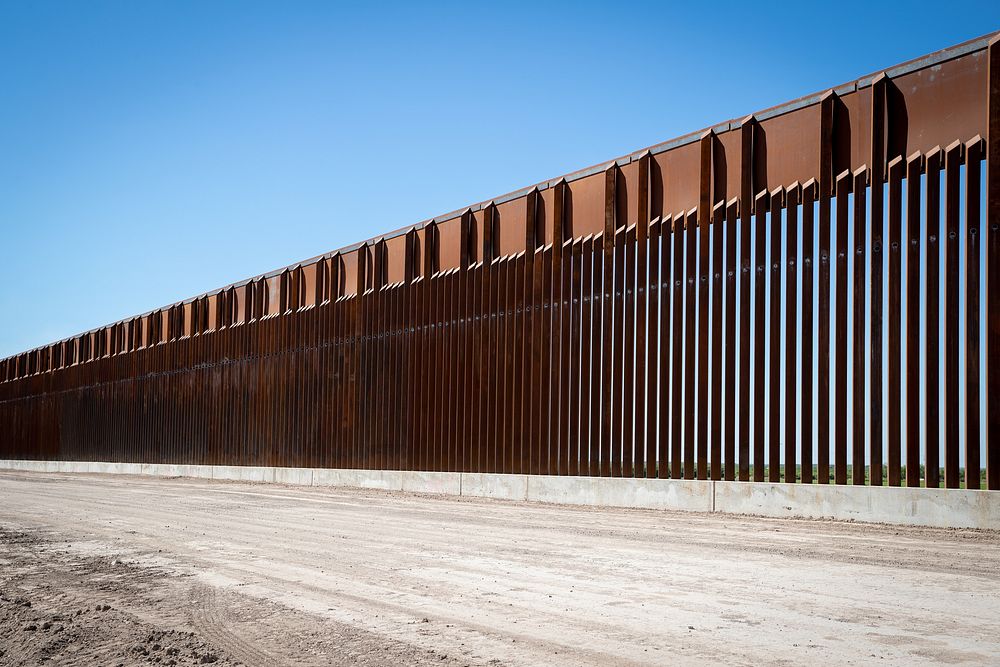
(209, 617)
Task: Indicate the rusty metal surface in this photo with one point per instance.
(654, 316)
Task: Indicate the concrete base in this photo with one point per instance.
(448, 483)
(946, 508)
(493, 485)
(171, 470)
(674, 494)
(949, 508)
(388, 480)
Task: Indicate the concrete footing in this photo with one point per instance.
(674, 494)
(947, 508)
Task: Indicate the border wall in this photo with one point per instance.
(807, 295)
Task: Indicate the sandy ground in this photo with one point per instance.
(128, 571)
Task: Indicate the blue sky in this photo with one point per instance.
(150, 151)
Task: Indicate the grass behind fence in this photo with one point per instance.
(885, 475)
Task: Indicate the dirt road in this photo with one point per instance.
(132, 571)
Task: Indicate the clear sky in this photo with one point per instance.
(151, 151)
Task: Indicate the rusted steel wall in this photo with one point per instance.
(710, 307)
